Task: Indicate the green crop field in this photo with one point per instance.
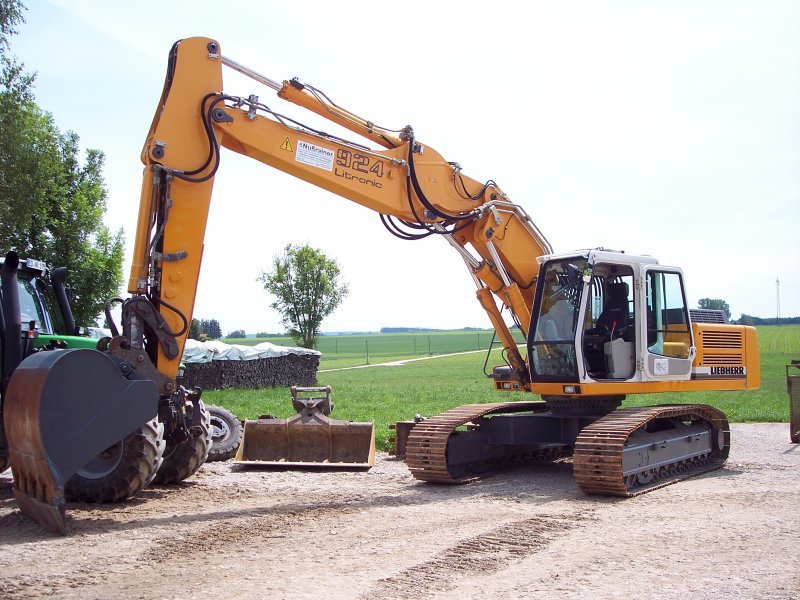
(386, 394)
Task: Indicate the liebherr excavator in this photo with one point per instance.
(599, 324)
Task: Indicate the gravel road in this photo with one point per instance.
(528, 533)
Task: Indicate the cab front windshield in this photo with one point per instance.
(552, 346)
(30, 306)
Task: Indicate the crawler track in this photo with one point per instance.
(598, 456)
(426, 450)
(600, 452)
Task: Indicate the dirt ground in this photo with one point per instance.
(528, 533)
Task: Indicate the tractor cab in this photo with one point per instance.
(33, 295)
(42, 300)
(609, 317)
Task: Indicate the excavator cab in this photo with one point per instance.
(609, 317)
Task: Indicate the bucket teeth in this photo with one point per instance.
(45, 504)
(38, 493)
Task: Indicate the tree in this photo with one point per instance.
(195, 330)
(12, 77)
(205, 329)
(747, 320)
(307, 286)
(715, 304)
(237, 333)
(51, 205)
(212, 329)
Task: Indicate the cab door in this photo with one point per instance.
(667, 331)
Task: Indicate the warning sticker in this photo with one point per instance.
(316, 156)
(286, 145)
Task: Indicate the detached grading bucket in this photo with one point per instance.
(308, 439)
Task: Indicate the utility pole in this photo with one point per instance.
(778, 295)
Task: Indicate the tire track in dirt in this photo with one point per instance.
(187, 535)
(486, 553)
(238, 531)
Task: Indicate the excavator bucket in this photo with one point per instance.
(62, 408)
(309, 438)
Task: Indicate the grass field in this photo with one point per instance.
(386, 394)
(339, 351)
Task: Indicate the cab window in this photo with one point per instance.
(609, 322)
(30, 306)
(552, 345)
(668, 332)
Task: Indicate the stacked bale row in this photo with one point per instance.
(279, 371)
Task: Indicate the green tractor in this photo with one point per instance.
(28, 320)
(35, 317)
(40, 291)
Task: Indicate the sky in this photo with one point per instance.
(670, 129)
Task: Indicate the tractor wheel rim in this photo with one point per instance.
(219, 430)
(104, 463)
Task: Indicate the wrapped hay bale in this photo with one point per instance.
(218, 366)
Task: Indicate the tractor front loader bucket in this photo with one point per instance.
(308, 439)
(62, 408)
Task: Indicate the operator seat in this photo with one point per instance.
(612, 322)
(614, 317)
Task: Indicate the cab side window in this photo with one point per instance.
(667, 318)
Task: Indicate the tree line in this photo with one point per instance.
(719, 304)
(750, 320)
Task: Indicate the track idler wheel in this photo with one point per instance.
(61, 409)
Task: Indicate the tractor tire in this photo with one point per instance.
(184, 459)
(122, 470)
(226, 433)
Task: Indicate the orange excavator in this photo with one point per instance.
(599, 324)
